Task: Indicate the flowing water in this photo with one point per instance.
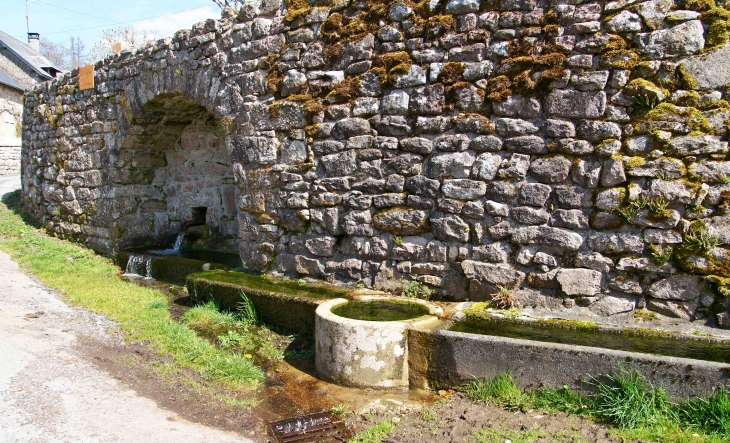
(139, 265)
(700, 349)
(176, 248)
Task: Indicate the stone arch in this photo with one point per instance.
(171, 171)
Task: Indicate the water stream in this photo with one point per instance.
(139, 265)
(175, 248)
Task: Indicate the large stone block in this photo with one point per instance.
(547, 236)
(402, 221)
(576, 104)
(684, 39)
(584, 282)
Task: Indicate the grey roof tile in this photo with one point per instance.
(26, 53)
(6, 80)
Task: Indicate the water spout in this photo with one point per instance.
(175, 248)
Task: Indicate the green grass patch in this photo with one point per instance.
(238, 332)
(496, 435)
(628, 401)
(93, 281)
(624, 399)
(375, 433)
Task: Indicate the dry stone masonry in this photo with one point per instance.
(573, 152)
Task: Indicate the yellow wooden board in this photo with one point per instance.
(86, 77)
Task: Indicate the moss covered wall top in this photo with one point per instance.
(574, 153)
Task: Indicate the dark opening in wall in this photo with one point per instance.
(197, 216)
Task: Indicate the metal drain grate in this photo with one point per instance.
(321, 427)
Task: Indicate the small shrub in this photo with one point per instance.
(398, 240)
(415, 289)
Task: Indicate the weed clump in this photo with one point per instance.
(504, 299)
(710, 414)
(416, 289)
(501, 390)
(629, 401)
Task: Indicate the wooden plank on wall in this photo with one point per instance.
(86, 77)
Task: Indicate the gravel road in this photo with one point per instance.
(50, 391)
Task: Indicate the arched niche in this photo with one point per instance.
(171, 172)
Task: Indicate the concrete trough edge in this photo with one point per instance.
(444, 359)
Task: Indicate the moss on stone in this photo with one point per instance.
(451, 72)
(394, 64)
(331, 27)
(642, 86)
(297, 9)
(635, 162)
(700, 5)
(498, 88)
(686, 78)
(620, 59)
(346, 90)
(692, 117)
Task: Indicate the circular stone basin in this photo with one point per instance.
(364, 342)
(381, 310)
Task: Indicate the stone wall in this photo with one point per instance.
(9, 157)
(564, 153)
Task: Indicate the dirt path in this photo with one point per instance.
(51, 391)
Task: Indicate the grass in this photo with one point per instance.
(628, 401)
(710, 414)
(501, 390)
(375, 433)
(624, 399)
(87, 279)
(340, 409)
(498, 435)
(237, 332)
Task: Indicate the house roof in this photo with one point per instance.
(6, 80)
(37, 62)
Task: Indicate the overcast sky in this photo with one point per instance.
(58, 20)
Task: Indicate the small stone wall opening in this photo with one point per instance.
(197, 216)
(174, 167)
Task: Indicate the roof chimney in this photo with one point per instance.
(34, 41)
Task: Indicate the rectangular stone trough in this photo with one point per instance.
(278, 302)
(170, 269)
(443, 359)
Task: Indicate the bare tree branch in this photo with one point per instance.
(128, 35)
(235, 4)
